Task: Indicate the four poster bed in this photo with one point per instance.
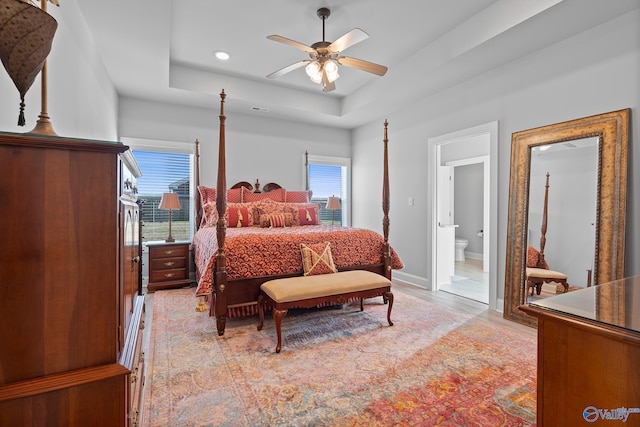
(261, 235)
(537, 270)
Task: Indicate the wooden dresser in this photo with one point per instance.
(70, 309)
(168, 265)
(131, 304)
(589, 355)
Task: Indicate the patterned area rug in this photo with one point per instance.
(338, 367)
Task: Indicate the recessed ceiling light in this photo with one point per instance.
(221, 55)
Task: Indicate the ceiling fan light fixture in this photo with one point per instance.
(325, 56)
(314, 72)
(331, 68)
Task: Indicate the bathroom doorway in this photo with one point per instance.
(468, 156)
(470, 213)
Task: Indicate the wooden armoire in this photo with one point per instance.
(71, 309)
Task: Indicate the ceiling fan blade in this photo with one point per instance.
(352, 37)
(288, 69)
(293, 43)
(363, 65)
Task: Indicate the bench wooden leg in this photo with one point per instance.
(361, 304)
(565, 285)
(260, 311)
(278, 315)
(388, 297)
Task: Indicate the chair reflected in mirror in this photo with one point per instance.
(538, 273)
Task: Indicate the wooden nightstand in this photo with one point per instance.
(168, 265)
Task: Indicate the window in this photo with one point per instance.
(330, 176)
(165, 168)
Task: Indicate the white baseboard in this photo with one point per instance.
(473, 255)
(411, 279)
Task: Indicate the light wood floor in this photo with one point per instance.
(463, 305)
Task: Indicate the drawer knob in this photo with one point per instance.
(169, 263)
(169, 275)
(168, 252)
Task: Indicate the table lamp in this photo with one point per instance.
(169, 202)
(333, 204)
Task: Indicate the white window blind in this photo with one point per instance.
(329, 176)
(165, 172)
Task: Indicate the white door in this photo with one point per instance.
(446, 231)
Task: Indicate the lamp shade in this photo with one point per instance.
(333, 203)
(169, 201)
(26, 35)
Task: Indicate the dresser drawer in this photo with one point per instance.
(168, 251)
(168, 263)
(168, 275)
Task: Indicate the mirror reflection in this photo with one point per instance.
(567, 201)
(561, 234)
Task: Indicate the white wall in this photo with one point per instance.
(592, 73)
(468, 205)
(257, 147)
(82, 102)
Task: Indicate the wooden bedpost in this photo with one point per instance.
(306, 170)
(197, 195)
(543, 226)
(220, 278)
(198, 206)
(385, 205)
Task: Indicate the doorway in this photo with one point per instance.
(469, 210)
(474, 149)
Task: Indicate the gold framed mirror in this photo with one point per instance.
(611, 132)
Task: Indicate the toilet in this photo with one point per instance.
(461, 245)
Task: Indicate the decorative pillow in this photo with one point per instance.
(234, 195)
(532, 258)
(317, 259)
(250, 219)
(267, 207)
(298, 196)
(210, 215)
(238, 217)
(277, 195)
(276, 220)
(207, 194)
(300, 210)
(307, 216)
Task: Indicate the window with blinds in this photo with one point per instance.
(329, 176)
(165, 172)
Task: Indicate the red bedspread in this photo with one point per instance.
(257, 252)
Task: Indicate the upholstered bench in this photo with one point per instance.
(311, 291)
(537, 276)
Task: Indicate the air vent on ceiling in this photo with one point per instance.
(260, 109)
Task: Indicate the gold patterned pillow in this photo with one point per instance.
(317, 259)
(303, 213)
(276, 220)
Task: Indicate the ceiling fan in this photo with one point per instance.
(325, 56)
